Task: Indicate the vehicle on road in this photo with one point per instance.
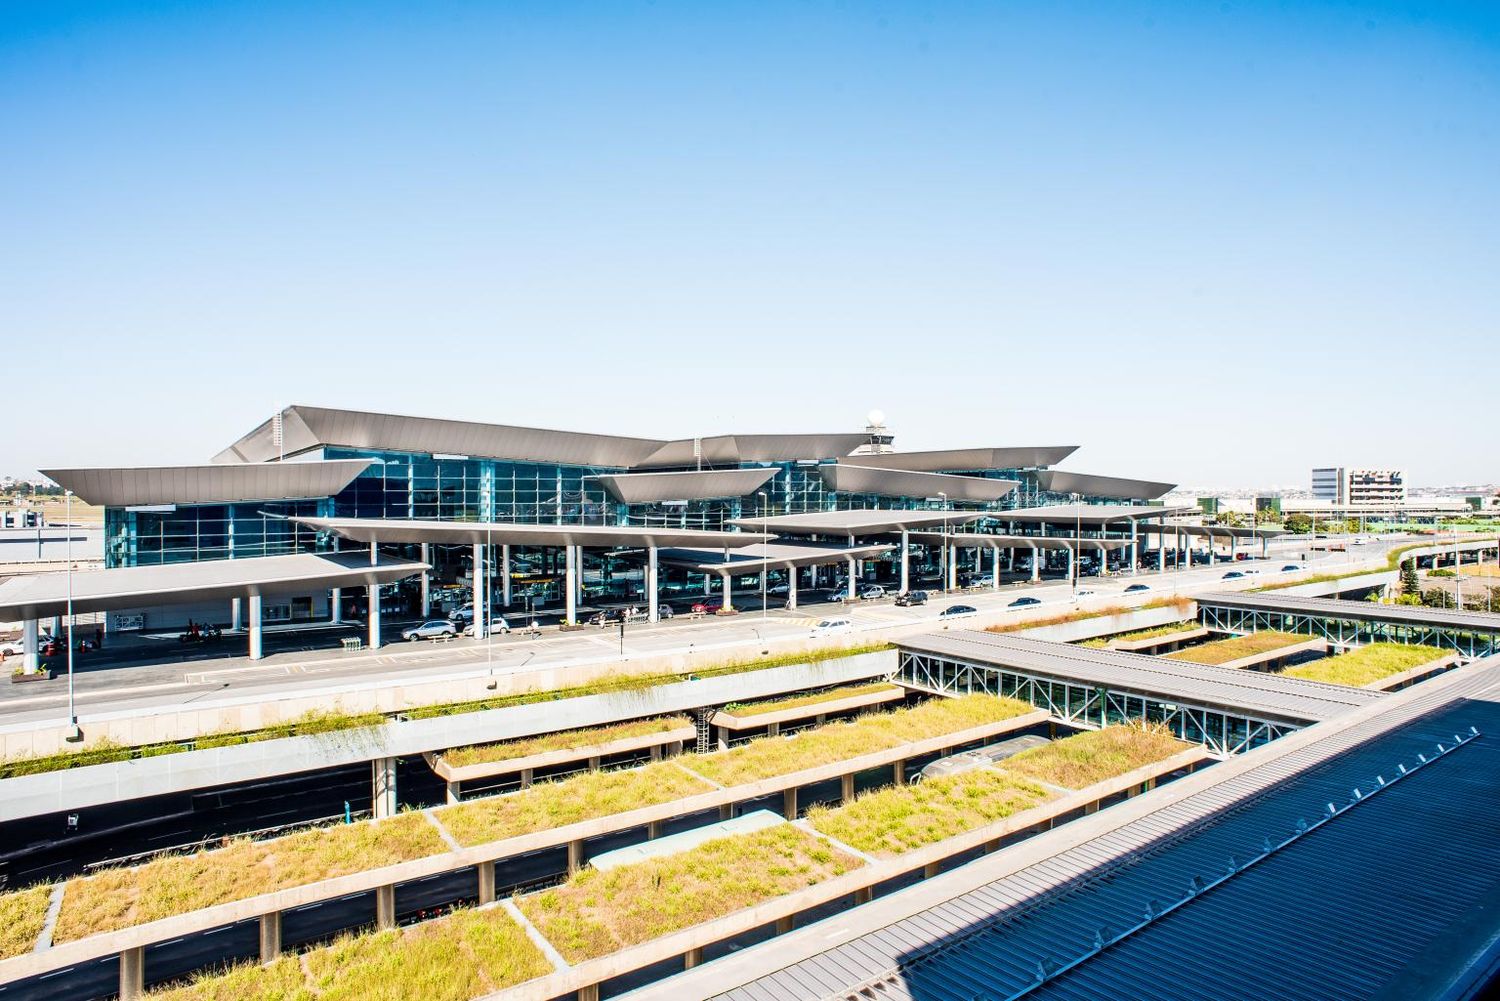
(782, 588)
(1232, 575)
(830, 627)
(664, 611)
(982, 580)
(430, 630)
(1023, 602)
(954, 611)
(911, 599)
(1137, 588)
(497, 625)
(1083, 592)
(871, 592)
(1292, 568)
(11, 648)
(707, 607)
(462, 616)
(982, 757)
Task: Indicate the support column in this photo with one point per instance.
(653, 603)
(1104, 558)
(374, 589)
(1161, 552)
(255, 627)
(952, 568)
(481, 593)
(1072, 558)
(575, 857)
(505, 575)
(846, 789)
(1135, 555)
(30, 654)
(1233, 545)
(851, 593)
(383, 787)
(132, 972)
(486, 882)
(791, 587)
(578, 577)
(570, 585)
(786, 924)
(236, 620)
(692, 958)
(385, 907)
(995, 567)
(1036, 563)
(426, 581)
(453, 793)
(728, 587)
(905, 561)
(789, 804)
(899, 770)
(270, 937)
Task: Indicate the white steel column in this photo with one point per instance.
(505, 575)
(791, 587)
(336, 596)
(995, 557)
(1161, 552)
(374, 590)
(236, 620)
(952, 567)
(255, 634)
(851, 591)
(1233, 545)
(1072, 557)
(426, 581)
(905, 561)
(578, 575)
(728, 586)
(481, 593)
(653, 609)
(1134, 548)
(30, 656)
(1036, 563)
(570, 591)
(383, 800)
(1104, 558)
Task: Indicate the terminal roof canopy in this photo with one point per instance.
(392, 530)
(963, 460)
(966, 539)
(850, 478)
(38, 596)
(218, 483)
(1222, 531)
(862, 521)
(1059, 481)
(1088, 514)
(653, 488)
(749, 559)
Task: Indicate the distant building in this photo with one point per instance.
(1371, 488)
(1268, 504)
(1208, 505)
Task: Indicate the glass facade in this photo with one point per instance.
(207, 532)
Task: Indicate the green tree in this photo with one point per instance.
(1409, 582)
(1298, 524)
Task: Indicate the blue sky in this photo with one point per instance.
(1210, 243)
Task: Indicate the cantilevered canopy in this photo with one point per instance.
(953, 460)
(858, 522)
(392, 530)
(1088, 514)
(966, 540)
(652, 488)
(37, 596)
(773, 556)
(1219, 531)
(849, 478)
(1060, 481)
(218, 483)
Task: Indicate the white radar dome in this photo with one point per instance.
(875, 417)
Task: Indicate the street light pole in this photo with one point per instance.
(74, 733)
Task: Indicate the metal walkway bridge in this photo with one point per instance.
(1225, 709)
(1354, 623)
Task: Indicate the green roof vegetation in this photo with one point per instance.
(179, 884)
(871, 732)
(748, 709)
(1180, 603)
(1224, 651)
(22, 915)
(581, 797)
(463, 955)
(565, 741)
(1083, 759)
(1185, 626)
(1392, 562)
(596, 913)
(1366, 665)
(900, 818)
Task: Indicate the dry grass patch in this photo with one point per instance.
(1187, 626)
(747, 709)
(1223, 651)
(768, 756)
(1367, 665)
(597, 913)
(1079, 761)
(465, 955)
(566, 741)
(555, 804)
(179, 884)
(22, 915)
(900, 818)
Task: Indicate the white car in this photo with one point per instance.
(1083, 592)
(832, 627)
(871, 592)
(430, 630)
(497, 625)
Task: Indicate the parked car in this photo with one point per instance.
(838, 594)
(1136, 588)
(954, 611)
(430, 630)
(1232, 575)
(982, 580)
(910, 599)
(462, 616)
(664, 611)
(707, 607)
(831, 627)
(872, 591)
(11, 648)
(1023, 602)
(497, 625)
(781, 588)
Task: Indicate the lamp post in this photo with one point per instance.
(75, 733)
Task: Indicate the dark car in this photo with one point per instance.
(952, 611)
(1231, 575)
(910, 599)
(1022, 602)
(1132, 589)
(1291, 568)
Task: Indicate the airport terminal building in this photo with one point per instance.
(561, 517)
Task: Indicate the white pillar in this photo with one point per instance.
(1104, 557)
(255, 634)
(426, 582)
(383, 800)
(1233, 545)
(851, 592)
(505, 575)
(653, 608)
(578, 574)
(1071, 558)
(905, 561)
(236, 622)
(791, 587)
(952, 567)
(1036, 563)
(570, 586)
(995, 559)
(728, 586)
(30, 657)
(481, 592)
(1134, 551)
(1161, 552)
(374, 589)
(336, 596)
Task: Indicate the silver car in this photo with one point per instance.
(430, 630)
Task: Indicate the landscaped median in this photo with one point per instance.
(742, 716)
(22, 915)
(550, 749)
(1250, 650)
(1141, 639)
(1376, 666)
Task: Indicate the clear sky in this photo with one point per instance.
(1210, 243)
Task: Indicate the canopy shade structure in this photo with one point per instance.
(377, 530)
(146, 486)
(956, 460)
(965, 540)
(1088, 514)
(1059, 481)
(907, 483)
(731, 449)
(752, 559)
(857, 522)
(1219, 531)
(653, 488)
(40, 595)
